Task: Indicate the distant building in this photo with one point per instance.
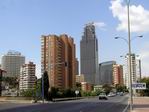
(133, 69)
(27, 79)
(76, 66)
(106, 72)
(117, 74)
(98, 87)
(12, 62)
(138, 69)
(89, 54)
(87, 87)
(58, 59)
(80, 78)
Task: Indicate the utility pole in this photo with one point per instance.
(130, 69)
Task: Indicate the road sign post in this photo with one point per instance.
(76, 92)
(139, 86)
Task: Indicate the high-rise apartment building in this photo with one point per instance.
(89, 55)
(58, 59)
(106, 72)
(27, 79)
(133, 69)
(11, 63)
(76, 67)
(118, 74)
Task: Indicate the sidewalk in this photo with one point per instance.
(140, 104)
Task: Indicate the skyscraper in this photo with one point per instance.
(27, 76)
(58, 59)
(76, 66)
(89, 55)
(11, 63)
(106, 72)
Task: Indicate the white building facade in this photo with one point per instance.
(27, 78)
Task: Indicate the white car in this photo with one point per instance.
(103, 96)
(111, 94)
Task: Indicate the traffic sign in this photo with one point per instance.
(76, 92)
(139, 85)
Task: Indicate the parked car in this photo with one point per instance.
(121, 93)
(112, 94)
(103, 96)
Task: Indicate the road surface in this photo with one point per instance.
(113, 104)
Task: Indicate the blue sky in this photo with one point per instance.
(22, 22)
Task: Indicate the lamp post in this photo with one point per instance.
(130, 67)
(129, 54)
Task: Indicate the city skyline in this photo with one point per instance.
(23, 22)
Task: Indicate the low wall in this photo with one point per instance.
(2, 98)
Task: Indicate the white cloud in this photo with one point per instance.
(138, 16)
(144, 55)
(100, 25)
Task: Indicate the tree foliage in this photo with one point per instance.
(12, 81)
(28, 93)
(107, 88)
(146, 91)
(46, 85)
(120, 88)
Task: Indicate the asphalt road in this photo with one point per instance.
(113, 104)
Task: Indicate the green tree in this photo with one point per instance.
(46, 85)
(54, 92)
(107, 88)
(38, 88)
(120, 88)
(69, 93)
(78, 86)
(28, 93)
(12, 81)
(146, 91)
(98, 91)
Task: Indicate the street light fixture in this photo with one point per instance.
(129, 53)
(140, 36)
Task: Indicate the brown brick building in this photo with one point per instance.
(58, 59)
(117, 74)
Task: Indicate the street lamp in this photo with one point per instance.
(129, 53)
(139, 36)
(130, 68)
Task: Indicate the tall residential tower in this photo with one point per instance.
(58, 59)
(133, 69)
(89, 55)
